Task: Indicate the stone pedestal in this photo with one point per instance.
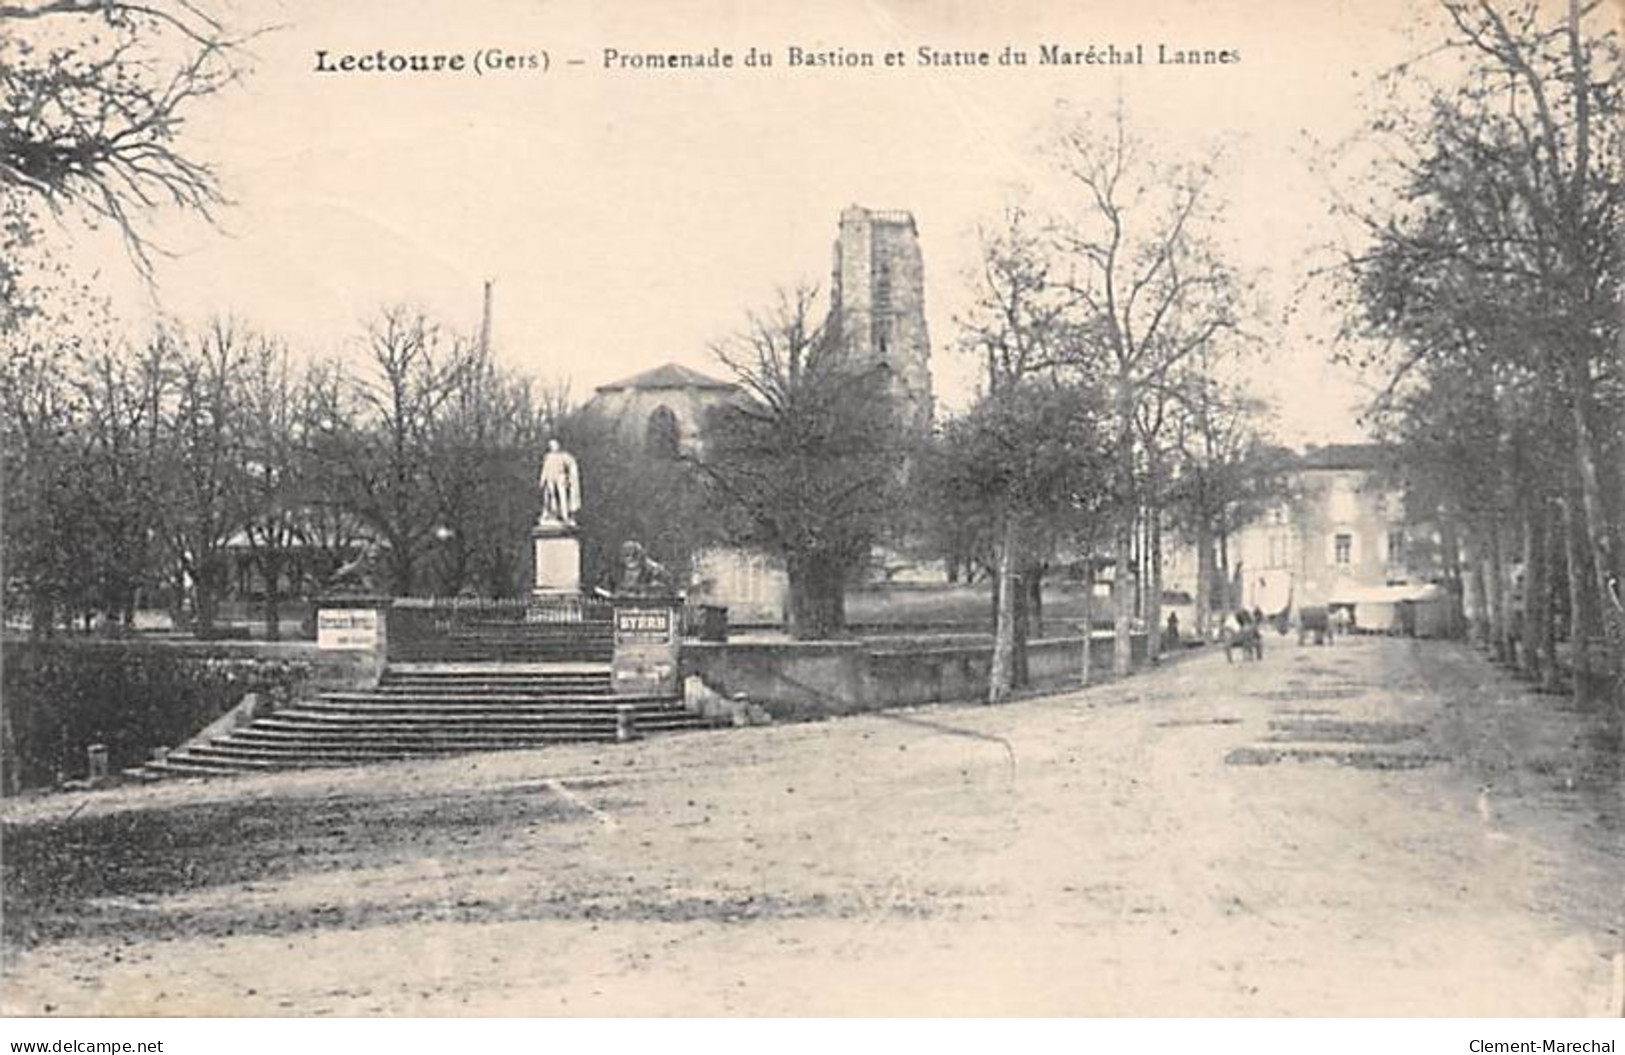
(357, 623)
(558, 559)
(648, 637)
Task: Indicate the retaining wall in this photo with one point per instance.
(60, 696)
(817, 679)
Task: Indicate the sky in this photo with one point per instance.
(629, 218)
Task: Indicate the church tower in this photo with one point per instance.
(878, 305)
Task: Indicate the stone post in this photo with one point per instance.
(558, 559)
(648, 639)
(355, 623)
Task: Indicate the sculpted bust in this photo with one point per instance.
(641, 575)
(561, 486)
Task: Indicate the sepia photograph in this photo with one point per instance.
(907, 509)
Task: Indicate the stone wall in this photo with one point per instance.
(820, 679)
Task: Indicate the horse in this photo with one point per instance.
(1246, 636)
(1314, 619)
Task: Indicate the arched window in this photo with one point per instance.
(662, 435)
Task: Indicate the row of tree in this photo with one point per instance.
(1105, 329)
(146, 472)
(1492, 290)
(146, 469)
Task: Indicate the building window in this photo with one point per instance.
(661, 435)
(1396, 547)
(1343, 549)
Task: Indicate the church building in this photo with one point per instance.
(877, 309)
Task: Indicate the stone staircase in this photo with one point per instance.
(423, 709)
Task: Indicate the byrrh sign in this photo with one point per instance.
(643, 626)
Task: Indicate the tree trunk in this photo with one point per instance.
(1123, 580)
(1001, 677)
(1599, 532)
(1454, 578)
(1550, 680)
(206, 588)
(1123, 603)
(1033, 578)
(1023, 630)
(817, 597)
(1531, 632)
(273, 600)
(1479, 617)
(1153, 610)
(1496, 574)
(1204, 576)
(1086, 666)
(1582, 601)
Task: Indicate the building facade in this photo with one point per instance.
(663, 409)
(1338, 538)
(877, 313)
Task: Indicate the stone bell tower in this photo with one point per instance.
(878, 305)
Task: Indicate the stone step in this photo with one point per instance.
(222, 764)
(496, 654)
(471, 698)
(520, 628)
(293, 733)
(513, 692)
(453, 699)
(473, 710)
(223, 753)
(463, 712)
(553, 643)
(467, 685)
(496, 677)
(449, 669)
(181, 765)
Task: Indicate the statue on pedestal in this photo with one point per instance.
(561, 487)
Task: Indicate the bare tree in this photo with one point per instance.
(1032, 426)
(276, 429)
(1225, 474)
(1152, 291)
(1493, 282)
(203, 456)
(380, 435)
(94, 95)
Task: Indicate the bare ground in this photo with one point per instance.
(1384, 827)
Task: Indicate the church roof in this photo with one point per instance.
(671, 375)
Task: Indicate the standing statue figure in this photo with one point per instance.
(561, 486)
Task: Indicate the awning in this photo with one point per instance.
(1423, 591)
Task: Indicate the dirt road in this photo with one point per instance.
(1384, 827)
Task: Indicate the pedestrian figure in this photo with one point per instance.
(1170, 636)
